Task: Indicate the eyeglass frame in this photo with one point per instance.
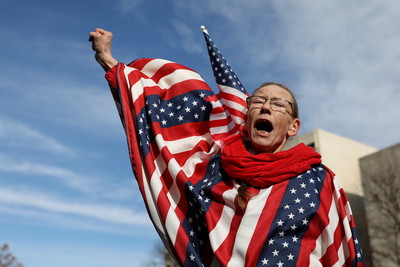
(266, 100)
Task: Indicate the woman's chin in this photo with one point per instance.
(257, 148)
(261, 144)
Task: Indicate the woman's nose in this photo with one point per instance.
(266, 107)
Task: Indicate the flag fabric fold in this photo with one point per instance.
(232, 94)
(175, 126)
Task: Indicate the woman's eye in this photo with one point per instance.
(278, 104)
(257, 101)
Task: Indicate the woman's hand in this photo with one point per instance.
(101, 44)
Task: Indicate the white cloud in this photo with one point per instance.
(25, 199)
(18, 135)
(122, 191)
(81, 183)
(341, 58)
(70, 221)
(86, 107)
(187, 37)
(347, 62)
(126, 6)
(57, 90)
(57, 103)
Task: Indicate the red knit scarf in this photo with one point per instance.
(265, 169)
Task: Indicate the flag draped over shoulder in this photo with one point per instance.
(168, 112)
(175, 125)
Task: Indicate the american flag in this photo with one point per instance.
(232, 95)
(174, 125)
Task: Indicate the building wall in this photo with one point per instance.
(381, 180)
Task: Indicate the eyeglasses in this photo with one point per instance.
(277, 104)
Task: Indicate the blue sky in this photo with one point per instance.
(67, 193)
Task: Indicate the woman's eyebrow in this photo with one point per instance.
(272, 97)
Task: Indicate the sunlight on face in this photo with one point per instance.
(268, 128)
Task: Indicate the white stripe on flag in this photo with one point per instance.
(172, 221)
(238, 120)
(221, 230)
(247, 227)
(172, 225)
(346, 220)
(173, 193)
(152, 192)
(187, 144)
(138, 88)
(128, 70)
(234, 105)
(231, 91)
(198, 157)
(183, 144)
(151, 200)
(179, 75)
(326, 237)
(343, 253)
(153, 66)
(218, 116)
(222, 129)
(165, 83)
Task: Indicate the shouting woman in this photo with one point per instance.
(217, 182)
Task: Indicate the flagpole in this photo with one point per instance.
(203, 28)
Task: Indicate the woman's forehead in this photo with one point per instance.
(273, 90)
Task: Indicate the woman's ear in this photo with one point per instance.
(294, 127)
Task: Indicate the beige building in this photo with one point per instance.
(342, 155)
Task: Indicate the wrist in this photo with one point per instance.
(106, 60)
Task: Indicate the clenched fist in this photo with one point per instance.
(101, 44)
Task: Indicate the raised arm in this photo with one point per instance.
(101, 44)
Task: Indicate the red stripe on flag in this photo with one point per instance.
(201, 167)
(331, 255)
(224, 252)
(167, 69)
(235, 112)
(129, 124)
(264, 223)
(220, 123)
(140, 63)
(348, 248)
(222, 136)
(234, 98)
(215, 211)
(181, 131)
(317, 224)
(181, 244)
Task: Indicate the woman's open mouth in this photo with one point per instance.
(263, 126)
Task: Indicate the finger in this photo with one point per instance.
(100, 31)
(92, 36)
